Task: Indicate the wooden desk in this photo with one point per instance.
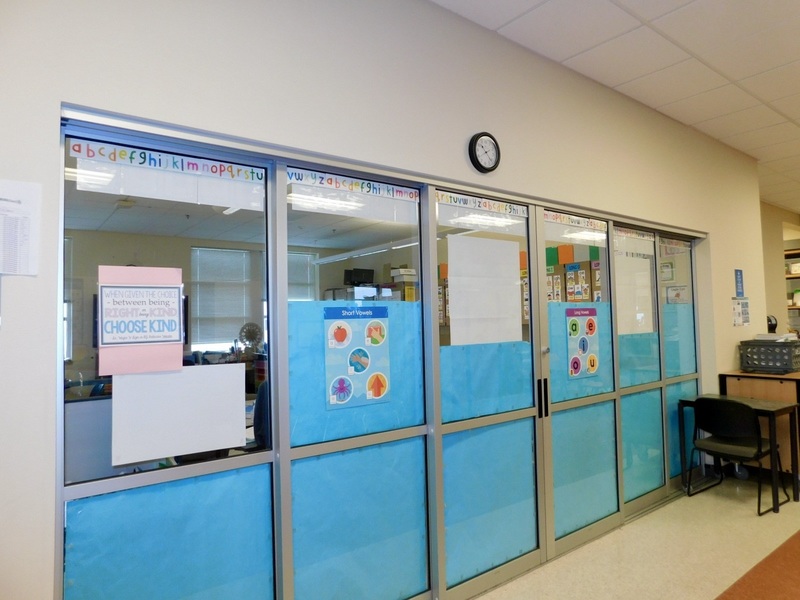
(771, 409)
(785, 388)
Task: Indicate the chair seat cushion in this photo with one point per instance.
(744, 448)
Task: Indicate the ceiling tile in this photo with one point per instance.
(491, 15)
(652, 9)
(776, 83)
(560, 29)
(713, 103)
(707, 24)
(787, 200)
(793, 175)
(780, 166)
(754, 54)
(790, 106)
(767, 176)
(682, 80)
(790, 185)
(627, 57)
(758, 138)
(740, 121)
(778, 151)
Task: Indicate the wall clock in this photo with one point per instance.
(484, 152)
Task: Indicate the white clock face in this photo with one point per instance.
(486, 151)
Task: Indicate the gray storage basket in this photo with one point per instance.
(769, 356)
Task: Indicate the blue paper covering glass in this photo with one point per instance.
(489, 497)
(202, 538)
(676, 392)
(642, 443)
(638, 359)
(360, 523)
(484, 379)
(584, 466)
(680, 352)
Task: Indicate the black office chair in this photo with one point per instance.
(734, 435)
(261, 418)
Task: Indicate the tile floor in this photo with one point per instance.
(689, 549)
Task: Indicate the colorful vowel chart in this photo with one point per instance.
(356, 355)
(582, 342)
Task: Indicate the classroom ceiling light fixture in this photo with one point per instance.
(225, 210)
(87, 177)
(304, 197)
(479, 220)
(591, 236)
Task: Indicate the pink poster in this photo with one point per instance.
(140, 320)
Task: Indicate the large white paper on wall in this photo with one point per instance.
(634, 298)
(485, 298)
(157, 415)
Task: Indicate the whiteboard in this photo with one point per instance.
(157, 415)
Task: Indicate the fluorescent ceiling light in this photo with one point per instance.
(88, 177)
(306, 197)
(303, 202)
(481, 220)
(370, 253)
(225, 210)
(586, 235)
(404, 246)
(366, 251)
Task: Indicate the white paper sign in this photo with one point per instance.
(156, 415)
(20, 204)
(485, 290)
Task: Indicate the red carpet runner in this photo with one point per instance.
(776, 577)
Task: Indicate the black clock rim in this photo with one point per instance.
(473, 156)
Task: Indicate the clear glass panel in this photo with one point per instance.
(355, 356)
(69, 299)
(677, 306)
(578, 307)
(143, 216)
(637, 316)
(676, 392)
(204, 537)
(584, 466)
(360, 523)
(489, 497)
(642, 443)
(484, 306)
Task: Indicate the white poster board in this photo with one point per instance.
(157, 415)
(485, 296)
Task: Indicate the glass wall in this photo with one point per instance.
(356, 369)
(484, 306)
(165, 289)
(636, 309)
(355, 353)
(485, 356)
(578, 304)
(677, 306)
(358, 469)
